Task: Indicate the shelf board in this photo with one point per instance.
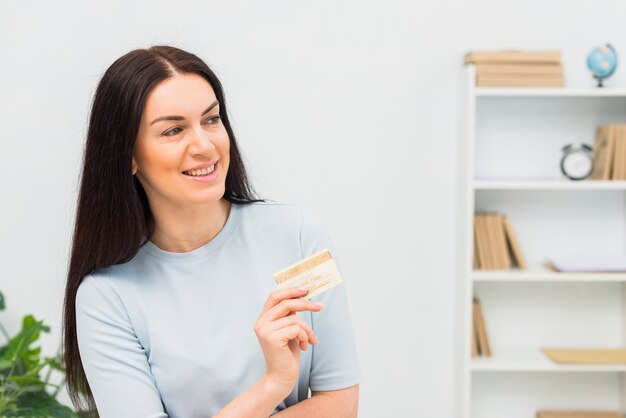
(533, 360)
(549, 185)
(539, 274)
(549, 92)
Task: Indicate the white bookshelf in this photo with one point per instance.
(512, 152)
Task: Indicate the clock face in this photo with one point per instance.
(577, 165)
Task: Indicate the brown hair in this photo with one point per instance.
(112, 204)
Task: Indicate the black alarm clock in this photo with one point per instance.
(577, 161)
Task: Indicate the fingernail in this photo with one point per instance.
(318, 304)
(303, 289)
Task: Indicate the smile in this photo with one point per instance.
(201, 172)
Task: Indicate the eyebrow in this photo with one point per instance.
(208, 109)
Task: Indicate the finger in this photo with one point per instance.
(303, 339)
(291, 305)
(277, 296)
(295, 349)
(294, 320)
(292, 332)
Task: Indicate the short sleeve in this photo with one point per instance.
(114, 360)
(334, 363)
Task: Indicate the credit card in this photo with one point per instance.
(317, 273)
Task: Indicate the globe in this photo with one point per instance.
(602, 61)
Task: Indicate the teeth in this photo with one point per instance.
(201, 172)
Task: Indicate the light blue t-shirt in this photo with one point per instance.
(171, 334)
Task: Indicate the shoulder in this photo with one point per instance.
(101, 287)
(311, 232)
(288, 221)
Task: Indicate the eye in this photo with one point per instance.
(169, 133)
(214, 120)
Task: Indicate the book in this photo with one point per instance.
(493, 235)
(513, 244)
(512, 56)
(476, 325)
(620, 135)
(483, 242)
(493, 249)
(615, 172)
(603, 153)
(619, 159)
(520, 69)
(578, 414)
(510, 81)
(586, 355)
(484, 348)
(479, 248)
(501, 244)
(484, 336)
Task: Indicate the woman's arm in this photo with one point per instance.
(282, 335)
(114, 360)
(258, 401)
(341, 403)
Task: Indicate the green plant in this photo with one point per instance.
(22, 393)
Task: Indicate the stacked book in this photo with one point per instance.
(517, 68)
(480, 340)
(609, 153)
(579, 414)
(586, 355)
(495, 244)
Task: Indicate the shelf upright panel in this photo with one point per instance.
(468, 284)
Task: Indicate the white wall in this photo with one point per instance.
(349, 107)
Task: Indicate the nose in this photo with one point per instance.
(201, 142)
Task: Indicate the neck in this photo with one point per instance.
(181, 230)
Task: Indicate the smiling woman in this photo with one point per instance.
(170, 305)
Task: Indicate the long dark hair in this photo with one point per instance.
(112, 204)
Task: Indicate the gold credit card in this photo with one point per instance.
(317, 273)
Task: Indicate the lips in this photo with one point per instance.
(201, 166)
(199, 172)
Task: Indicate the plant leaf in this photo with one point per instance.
(39, 404)
(55, 363)
(2, 305)
(17, 351)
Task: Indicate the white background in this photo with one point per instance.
(351, 108)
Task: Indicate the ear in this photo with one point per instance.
(134, 166)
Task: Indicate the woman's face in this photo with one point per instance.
(181, 140)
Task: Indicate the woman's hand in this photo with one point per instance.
(282, 335)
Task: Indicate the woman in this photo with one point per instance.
(170, 307)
